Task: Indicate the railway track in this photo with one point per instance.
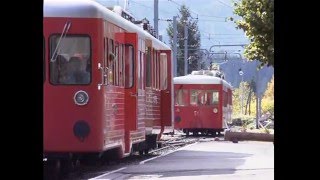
(81, 171)
(169, 144)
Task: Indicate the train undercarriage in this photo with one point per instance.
(202, 131)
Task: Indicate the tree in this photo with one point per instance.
(268, 98)
(245, 90)
(252, 86)
(194, 55)
(258, 24)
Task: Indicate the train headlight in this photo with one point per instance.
(177, 119)
(215, 110)
(81, 129)
(81, 98)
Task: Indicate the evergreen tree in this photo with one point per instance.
(194, 55)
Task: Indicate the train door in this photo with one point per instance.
(197, 100)
(207, 103)
(131, 87)
(228, 107)
(166, 87)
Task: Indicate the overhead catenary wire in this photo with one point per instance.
(200, 17)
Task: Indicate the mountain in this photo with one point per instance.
(249, 68)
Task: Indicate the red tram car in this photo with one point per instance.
(203, 103)
(107, 82)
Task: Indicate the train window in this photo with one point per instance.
(164, 71)
(225, 99)
(44, 60)
(73, 63)
(110, 62)
(141, 70)
(116, 65)
(194, 97)
(149, 68)
(105, 62)
(181, 97)
(204, 97)
(157, 71)
(121, 81)
(213, 97)
(230, 97)
(154, 69)
(129, 59)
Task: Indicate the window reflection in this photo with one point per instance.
(72, 65)
(204, 97)
(181, 97)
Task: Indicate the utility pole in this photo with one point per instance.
(242, 89)
(174, 52)
(258, 98)
(186, 49)
(156, 18)
(257, 111)
(126, 4)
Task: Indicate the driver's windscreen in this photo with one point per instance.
(73, 63)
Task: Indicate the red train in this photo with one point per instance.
(107, 83)
(203, 103)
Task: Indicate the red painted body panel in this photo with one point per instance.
(60, 111)
(153, 101)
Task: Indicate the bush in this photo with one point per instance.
(236, 122)
(243, 120)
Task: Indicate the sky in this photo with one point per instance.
(212, 14)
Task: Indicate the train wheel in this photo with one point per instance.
(91, 160)
(66, 166)
(146, 151)
(214, 134)
(141, 152)
(187, 133)
(52, 170)
(195, 133)
(204, 133)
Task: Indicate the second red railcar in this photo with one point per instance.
(203, 103)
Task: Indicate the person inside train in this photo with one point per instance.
(77, 73)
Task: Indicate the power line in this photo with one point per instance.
(221, 41)
(232, 44)
(228, 37)
(203, 15)
(213, 20)
(151, 7)
(221, 34)
(225, 34)
(225, 4)
(142, 4)
(213, 35)
(175, 3)
(188, 8)
(212, 16)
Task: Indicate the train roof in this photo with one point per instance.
(92, 9)
(200, 79)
